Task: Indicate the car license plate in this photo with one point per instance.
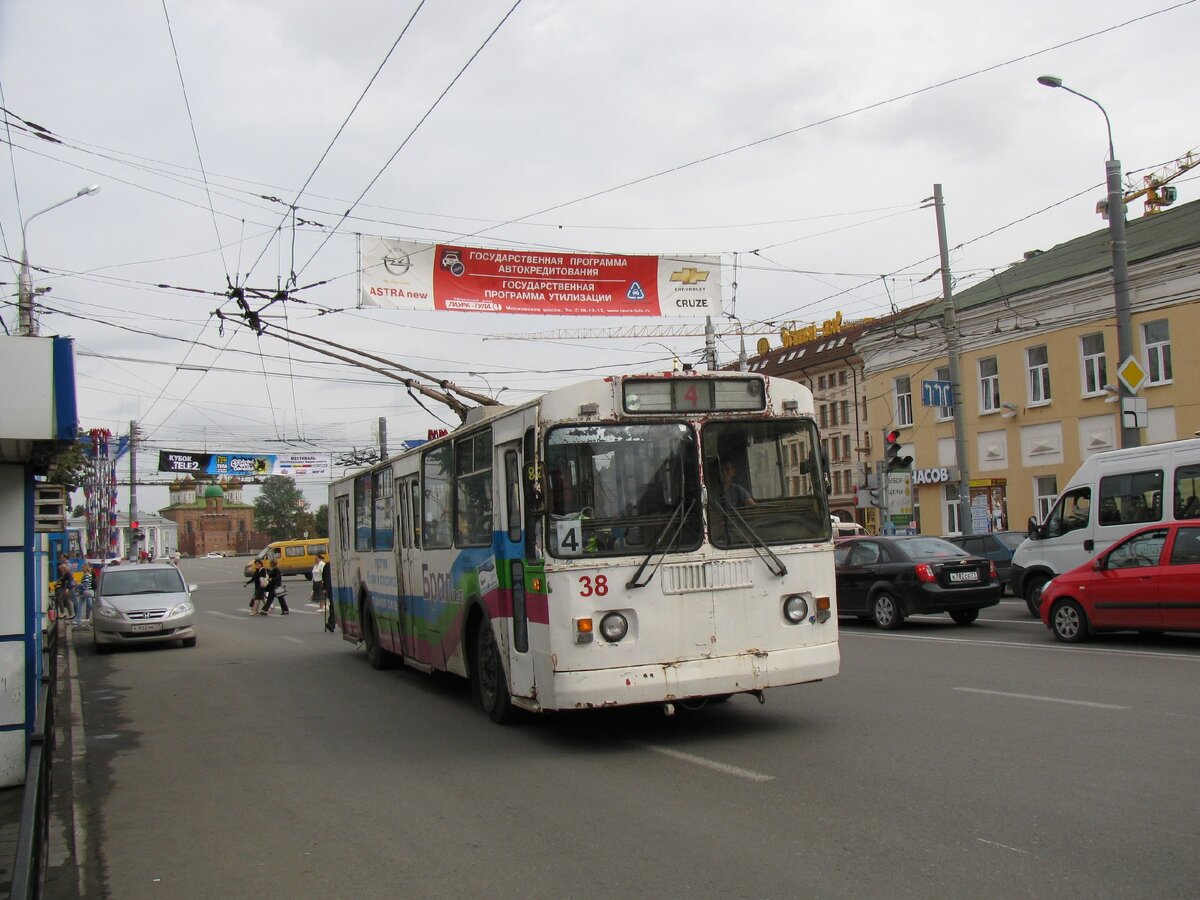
(964, 576)
(148, 626)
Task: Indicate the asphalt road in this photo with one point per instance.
(988, 761)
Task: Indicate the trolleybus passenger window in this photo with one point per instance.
(343, 523)
(362, 513)
(384, 536)
(436, 518)
(473, 484)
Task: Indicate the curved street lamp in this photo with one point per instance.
(27, 321)
(1130, 434)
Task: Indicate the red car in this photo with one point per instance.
(1149, 582)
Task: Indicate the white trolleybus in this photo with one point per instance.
(635, 539)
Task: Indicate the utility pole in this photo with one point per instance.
(134, 543)
(710, 344)
(383, 438)
(950, 319)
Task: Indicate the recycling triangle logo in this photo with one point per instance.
(635, 292)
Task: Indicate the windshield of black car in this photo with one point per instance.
(125, 582)
(930, 548)
(764, 483)
(612, 489)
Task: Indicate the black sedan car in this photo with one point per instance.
(884, 579)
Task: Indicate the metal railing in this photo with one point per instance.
(29, 869)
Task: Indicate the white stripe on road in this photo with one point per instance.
(723, 768)
(1055, 647)
(288, 638)
(1042, 699)
(1002, 846)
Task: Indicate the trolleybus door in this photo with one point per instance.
(408, 563)
(520, 662)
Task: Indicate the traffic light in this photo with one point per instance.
(866, 497)
(892, 460)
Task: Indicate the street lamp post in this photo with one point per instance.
(1130, 434)
(27, 320)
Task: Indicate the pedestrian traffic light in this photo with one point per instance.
(892, 460)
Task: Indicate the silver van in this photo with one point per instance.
(1113, 493)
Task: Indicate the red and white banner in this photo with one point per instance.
(405, 275)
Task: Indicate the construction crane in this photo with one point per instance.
(1157, 190)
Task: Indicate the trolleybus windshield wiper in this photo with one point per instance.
(659, 543)
(756, 542)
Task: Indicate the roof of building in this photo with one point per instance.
(1146, 238)
(214, 491)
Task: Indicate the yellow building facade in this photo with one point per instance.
(1037, 375)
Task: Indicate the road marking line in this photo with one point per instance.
(723, 768)
(297, 640)
(1043, 699)
(1055, 647)
(1004, 846)
(224, 615)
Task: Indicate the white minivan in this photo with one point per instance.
(1112, 494)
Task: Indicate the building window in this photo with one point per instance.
(842, 378)
(989, 385)
(943, 412)
(820, 382)
(845, 412)
(833, 416)
(1157, 337)
(953, 506)
(1037, 359)
(846, 447)
(824, 416)
(1095, 374)
(904, 410)
(1045, 490)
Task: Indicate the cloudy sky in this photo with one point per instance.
(795, 140)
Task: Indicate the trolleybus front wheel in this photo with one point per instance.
(489, 678)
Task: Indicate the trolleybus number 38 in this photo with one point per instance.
(589, 585)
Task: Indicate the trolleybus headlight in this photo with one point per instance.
(795, 608)
(613, 627)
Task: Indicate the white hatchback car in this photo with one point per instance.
(143, 604)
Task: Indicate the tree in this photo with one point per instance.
(280, 510)
(68, 464)
(321, 520)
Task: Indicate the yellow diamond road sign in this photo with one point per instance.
(1132, 375)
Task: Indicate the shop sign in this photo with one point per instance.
(935, 475)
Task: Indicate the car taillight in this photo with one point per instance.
(992, 570)
(925, 573)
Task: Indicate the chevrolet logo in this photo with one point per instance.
(690, 275)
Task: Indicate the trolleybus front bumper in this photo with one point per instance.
(715, 676)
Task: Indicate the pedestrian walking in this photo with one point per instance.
(64, 592)
(327, 582)
(318, 581)
(83, 607)
(276, 589)
(259, 579)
